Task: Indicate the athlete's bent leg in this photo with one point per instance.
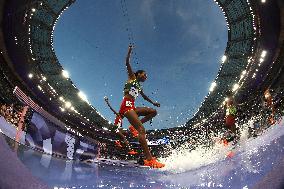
(123, 138)
(134, 120)
(149, 113)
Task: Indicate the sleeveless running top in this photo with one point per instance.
(133, 88)
(231, 108)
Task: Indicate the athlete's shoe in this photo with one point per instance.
(133, 131)
(230, 154)
(132, 152)
(153, 163)
(224, 141)
(118, 144)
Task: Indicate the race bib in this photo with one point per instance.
(134, 92)
(128, 103)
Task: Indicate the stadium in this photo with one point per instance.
(54, 118)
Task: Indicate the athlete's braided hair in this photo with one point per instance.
(138, 72)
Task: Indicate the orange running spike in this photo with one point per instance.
(118, 144)
(230, 154)
(225, 142)
(132, 152)
(153, 163)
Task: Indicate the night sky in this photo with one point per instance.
(179, 43)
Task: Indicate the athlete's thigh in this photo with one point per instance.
(133, 119)
(143, 111)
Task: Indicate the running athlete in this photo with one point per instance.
(269, 104)
(118, 130)
(131, 91)
(231, 112)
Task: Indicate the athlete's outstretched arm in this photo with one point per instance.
(149, 100)
(131, 75)
(106, 99)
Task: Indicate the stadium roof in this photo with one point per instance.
(252, 55)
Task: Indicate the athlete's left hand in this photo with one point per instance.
(156, 104)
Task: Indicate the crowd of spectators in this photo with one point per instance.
(11, 113)
(255, 115)
(10, 106)
(266, 110)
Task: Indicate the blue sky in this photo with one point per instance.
(179, 43)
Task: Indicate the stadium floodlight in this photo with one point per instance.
(263, 1)
(212, 87)
(30, 75)
(82, 96)
(44, 78)
(39, 87)
(263, 54)
(236, 86)
(224, 58)
(68, 104)
(65, 74)
(61, 99)
(243, 74)
(33, 9)
(72, 108)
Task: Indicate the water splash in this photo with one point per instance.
(183, 159)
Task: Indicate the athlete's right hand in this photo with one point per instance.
(156, 104)
(106, 98)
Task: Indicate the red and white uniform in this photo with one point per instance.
(126, 105)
